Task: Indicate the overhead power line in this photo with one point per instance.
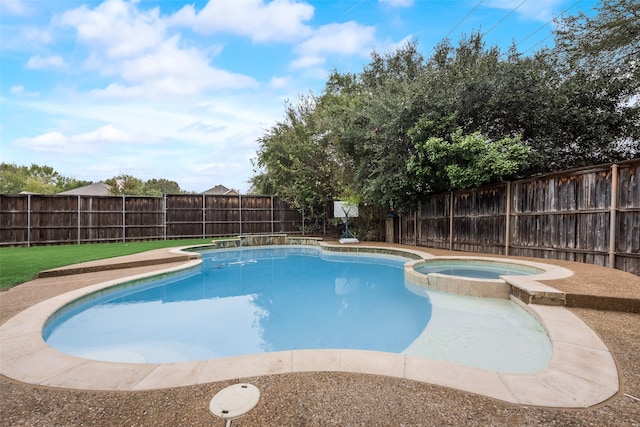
(463, 19)
(505, 17)
(549, 22)
(540, 42)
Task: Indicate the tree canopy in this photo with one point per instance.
(127, 185)
(609, 40)
(466, 116)
(297, 160)
(35, 178)
(39, 179)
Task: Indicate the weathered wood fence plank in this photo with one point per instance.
(567, 215)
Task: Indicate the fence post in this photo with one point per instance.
(451, 221)
(124, 219)
(204, 215)
(79, 222)
(240, 208)
(28, 220)
(507, 220)
(272, 219)
(612, 216)
(164, 217)
(415, 224)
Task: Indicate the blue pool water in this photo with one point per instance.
(248, 301)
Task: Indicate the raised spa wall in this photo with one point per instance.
(526, 289)
(487, 288)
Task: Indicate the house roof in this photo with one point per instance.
(221, 190)
(96, 189)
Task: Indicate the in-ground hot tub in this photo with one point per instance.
(474, 268)
(475, 276)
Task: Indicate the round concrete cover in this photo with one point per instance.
(234, 401)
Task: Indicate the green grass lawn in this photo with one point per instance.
(21, 264)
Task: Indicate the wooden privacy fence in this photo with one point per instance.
(39, 220)
(590, 215)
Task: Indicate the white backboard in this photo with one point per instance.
(342, 209)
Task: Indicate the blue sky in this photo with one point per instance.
(183, 89)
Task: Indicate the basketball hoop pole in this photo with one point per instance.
(346, 222)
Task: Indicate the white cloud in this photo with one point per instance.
(36, 35)
(204, 126)
(19, 90)
(279, 82)
(23, 39)
(89, 142)
(392, 47)
(108, 134)
(188, 136)
(308, 61)
(170, 72)
(132, 46)
(119, 91)
(117, 28)
(397, 3)
(239, 114)
(539, 10)
(278, 20)
(188, 66)
(347, 39)
(14, 7)
(45, 62)
(50, 141)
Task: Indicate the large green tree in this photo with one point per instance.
(158, 187)
(569, 114)
(125, 185)
(467, 115)
(128, 185)
(367, 118)
(295, 162)
(40, 179)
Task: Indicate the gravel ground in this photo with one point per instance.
(330, 399)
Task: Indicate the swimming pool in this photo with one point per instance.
(249, 301)
(258, 300)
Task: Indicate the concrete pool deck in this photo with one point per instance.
(582, 372)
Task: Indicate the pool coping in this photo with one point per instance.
(581, 373)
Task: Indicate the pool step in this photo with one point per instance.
(533, 292)
(155, 257)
